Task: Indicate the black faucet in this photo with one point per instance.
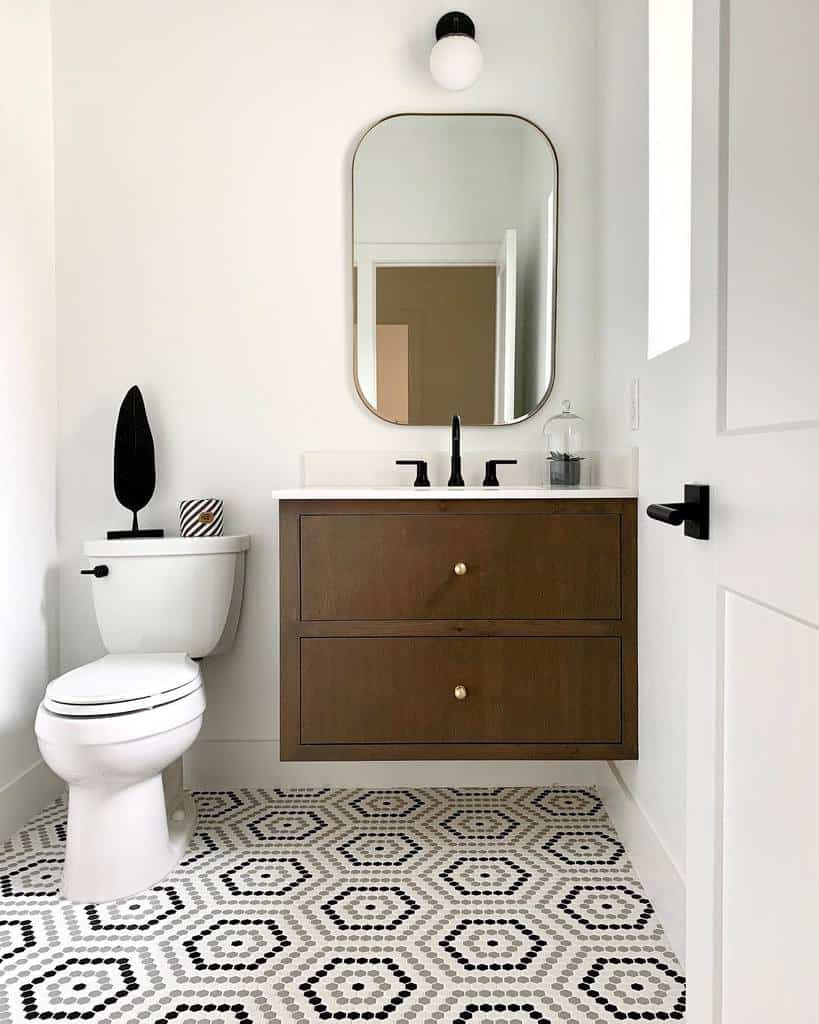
(455, 478)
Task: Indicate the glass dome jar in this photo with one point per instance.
(564, 436)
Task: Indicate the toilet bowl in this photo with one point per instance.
(115, 729)
(111, 729)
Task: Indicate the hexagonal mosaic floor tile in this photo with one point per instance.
(380, 805)
(567, 803)
(33, 877)
(287, 825)
(45, 830)
(370, 908)
(377, 849)
(223, 945)
(139, 915)
(498, 949)
(624, 984)
(411, 906)
(262, 874)
(88, 983)
(483, 876)
(586, 848)
(602, 908)
(481, 823)
(388, 982)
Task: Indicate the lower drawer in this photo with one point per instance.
(385, 690)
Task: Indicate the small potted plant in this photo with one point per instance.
(564, 469)
(564, 443)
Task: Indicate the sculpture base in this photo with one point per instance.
(133, 534)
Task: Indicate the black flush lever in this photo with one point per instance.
(99, 571)
(421, 478)
(694, 512)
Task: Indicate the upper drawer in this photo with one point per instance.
(517, 566)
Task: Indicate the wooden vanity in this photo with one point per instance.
(458, 628)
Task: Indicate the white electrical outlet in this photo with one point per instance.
(634, 403)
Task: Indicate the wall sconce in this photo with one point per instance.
(456, 59)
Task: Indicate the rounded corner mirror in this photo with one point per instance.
(454, 268)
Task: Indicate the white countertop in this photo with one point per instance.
(409, 492)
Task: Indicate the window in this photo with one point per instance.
(670, 45)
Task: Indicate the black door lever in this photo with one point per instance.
(694, 512)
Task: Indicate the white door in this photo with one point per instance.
(747, 401)
(505, 325)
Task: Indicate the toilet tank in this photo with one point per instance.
(171, 594)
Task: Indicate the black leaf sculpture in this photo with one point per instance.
(134, 463)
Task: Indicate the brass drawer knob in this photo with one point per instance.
(460, 692)
(459, 569)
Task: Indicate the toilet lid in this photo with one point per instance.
(120, 683)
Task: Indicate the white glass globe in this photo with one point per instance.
(456, 62)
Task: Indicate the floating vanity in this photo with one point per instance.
(458, 623)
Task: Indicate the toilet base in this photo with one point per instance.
(124, 775)
(142, 843)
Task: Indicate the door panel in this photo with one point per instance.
(773, 216)
(771, 768)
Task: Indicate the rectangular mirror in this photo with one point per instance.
(454, 268)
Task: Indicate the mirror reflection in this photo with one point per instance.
(454, 251)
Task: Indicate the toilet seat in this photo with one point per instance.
(120, 684)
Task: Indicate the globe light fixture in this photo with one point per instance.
(456, 59)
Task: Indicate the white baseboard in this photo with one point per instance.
(230, 764)
(661, 879)
(24, 795)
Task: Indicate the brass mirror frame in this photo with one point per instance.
(553, 347)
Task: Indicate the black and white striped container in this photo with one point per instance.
(201, 517)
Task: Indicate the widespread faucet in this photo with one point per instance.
(455, 478)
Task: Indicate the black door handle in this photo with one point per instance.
(673, 513)
(694, 512)
(99, 571)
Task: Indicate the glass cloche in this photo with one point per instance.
(564, 435)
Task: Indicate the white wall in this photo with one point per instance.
(203, 242)
(657, 780)
(28, 407)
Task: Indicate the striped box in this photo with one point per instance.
(201, 517)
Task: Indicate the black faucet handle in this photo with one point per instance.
(421, 477)
(491, 477)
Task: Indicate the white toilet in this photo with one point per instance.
(116, 729)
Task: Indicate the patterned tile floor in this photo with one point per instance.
(439, 905)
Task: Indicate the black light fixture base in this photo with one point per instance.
(455, 23)
(133, 534)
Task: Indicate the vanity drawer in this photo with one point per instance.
(401, 690)
(517, 566)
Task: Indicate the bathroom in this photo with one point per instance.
(176, 212)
